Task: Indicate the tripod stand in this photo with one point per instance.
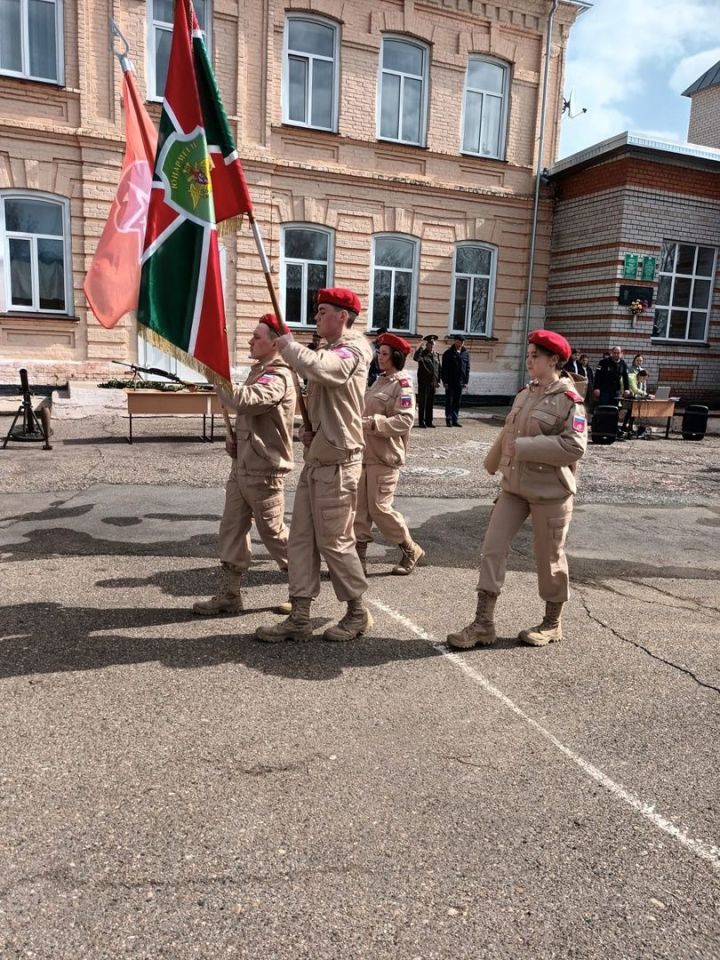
(33, 429)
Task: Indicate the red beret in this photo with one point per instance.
(270, 320)
(340, 297)
(397, 343)
(551, 341)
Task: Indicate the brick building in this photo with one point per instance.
(389, 146)
(640, 219)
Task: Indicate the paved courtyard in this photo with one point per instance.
(171, 788)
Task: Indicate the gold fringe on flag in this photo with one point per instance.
(156, 340)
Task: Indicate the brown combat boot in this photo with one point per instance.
(413, 554)
(549, 631)
(481, 632)
(228, 600)
(362, 547)
(296, 627)
(355, 622)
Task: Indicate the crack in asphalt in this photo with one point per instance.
(677, 601)
(640, 646)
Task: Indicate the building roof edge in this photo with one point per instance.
(637, 141)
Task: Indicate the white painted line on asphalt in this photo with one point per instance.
(706, 851)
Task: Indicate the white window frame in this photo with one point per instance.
(25, 45)
(673, 275)
(415, 271)
(424, 79)
(311, 58)
(502, 133)
(6, 306)
(466, 331)
(154, 24)
(306, 323)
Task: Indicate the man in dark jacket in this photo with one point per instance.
(428, 377)
(374, 369)
(611, 378)
(455, 374)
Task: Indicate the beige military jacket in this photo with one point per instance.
(550, 432)
(388, 417)
(265, 407)
(337, 376)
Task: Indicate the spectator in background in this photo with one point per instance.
(611, 379)
(374, 369)
(586, 371)
(573, 363)
(638, 363)
(455, 375)
(428, 377)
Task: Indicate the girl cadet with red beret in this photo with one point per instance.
(388, 417)
(537, 451)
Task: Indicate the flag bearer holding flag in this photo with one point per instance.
(262, 457)
(326, 497)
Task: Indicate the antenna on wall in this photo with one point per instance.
(567, 107)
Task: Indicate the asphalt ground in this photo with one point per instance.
(169, 787)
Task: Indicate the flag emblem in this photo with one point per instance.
(185, 170)
(578, 423)
(405, 402)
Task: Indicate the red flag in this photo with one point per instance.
(113, 280)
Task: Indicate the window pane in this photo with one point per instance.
(697, 326)
(390, 106)
(412, 107)
(686, 259)
(306, 245)
(10, 44)
(473, 114)
(403, 57)
(394, 253)
(297, 71)
(473, 260)
(41, 36)
(663, 292)
(678, 324)
(485, 76)
(660, 324)
(201, 11)
(51, 274)
(163, 39)
(308, 37)
(681, 292)
(701, 294)
(401, 304)
(667, 258)
(293, 293)
(317, 279)
(478, 319)
(33, 216)
(163, 10)
(322, 93)
(381, 298)
(20, 273)
(462, 286)
(492, 118)
(705, 260)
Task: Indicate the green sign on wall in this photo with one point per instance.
(631, 266)
(649, 266)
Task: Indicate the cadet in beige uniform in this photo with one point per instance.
(387, 420)
(537, 451)
(326, 497)
(262, 456)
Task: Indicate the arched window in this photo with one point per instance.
(471, 310)
(31, 33)
(394, 282)
(310, 73)
(160, 25)
(403, 91)
(306, 266)
(485, 108)
(35, 252)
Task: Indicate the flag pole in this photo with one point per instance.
(276, 307)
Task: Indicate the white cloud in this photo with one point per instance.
(612, 47)
(691, 68)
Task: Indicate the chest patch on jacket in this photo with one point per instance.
(343, 352)
(265, 378)
(405, 403)
(578, 423)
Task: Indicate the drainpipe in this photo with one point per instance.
(538, 184)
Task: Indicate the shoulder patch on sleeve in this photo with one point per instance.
(406, 403)
(343, 352)
(574, 396)
(265, 378)
(578, 423)
(405, 382)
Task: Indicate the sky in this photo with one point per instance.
(628, 63)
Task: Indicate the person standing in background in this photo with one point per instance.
(428, 377)
(374, 369)
(455, 375)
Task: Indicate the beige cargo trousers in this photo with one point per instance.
(251, 497)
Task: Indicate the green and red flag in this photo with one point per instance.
(198, 183)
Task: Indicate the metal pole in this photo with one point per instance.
(538, 183)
